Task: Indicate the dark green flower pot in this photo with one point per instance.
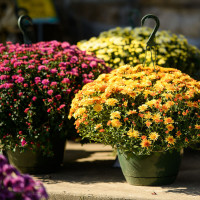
(34, 162)
(159, 168)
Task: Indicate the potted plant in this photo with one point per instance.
(127, 45)
(37, 84)
(14, 185)
(148, 113)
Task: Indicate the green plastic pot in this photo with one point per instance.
(34, 162)
(158, 168)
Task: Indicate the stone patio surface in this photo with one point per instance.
(88, 173)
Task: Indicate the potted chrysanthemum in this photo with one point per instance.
(127, 45)
(148, 113)
(37, 84)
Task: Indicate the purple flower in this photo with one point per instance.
(3, 160)
(45, 81)
(74, 59)
(8, 169)
(18, 184)
(14, 185)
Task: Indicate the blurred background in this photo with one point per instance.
(75, 20)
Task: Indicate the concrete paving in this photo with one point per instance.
(88, 174)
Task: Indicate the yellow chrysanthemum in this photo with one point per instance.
(143, 107)
(170, 139)
(115, 114)
(170, 127)
(111, 101)
(133, 133)
(116, 123)
(79, 112)
(168, 120)
(98, 107)
(153, 136)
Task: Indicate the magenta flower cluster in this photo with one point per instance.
(14, 185)
(37, 84)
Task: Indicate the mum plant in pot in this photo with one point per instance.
(148, 113)
(37, 84)
(120, 46)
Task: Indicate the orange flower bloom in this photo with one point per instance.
(109, 123)
(98, 126)
(197, 126)
(168, 120)
(170, 139)
(145, 143)
(116, 114)
(170, 127)
(148, 123)
(101, 130)
(116, 123)
(178, 133)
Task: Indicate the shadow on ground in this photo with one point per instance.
(188, 180)
(86, 171)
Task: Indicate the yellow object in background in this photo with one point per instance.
(38, 9)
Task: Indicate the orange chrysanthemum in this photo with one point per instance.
(170, 139)
(145, 143)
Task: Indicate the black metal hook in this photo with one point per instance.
(26, 26)
(151, 41)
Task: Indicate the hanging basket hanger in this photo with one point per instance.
(151, 40)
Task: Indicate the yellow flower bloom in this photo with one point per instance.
(170, 139)
(111, 101)
(143, 107)
(116, 123)
(79, 112)
(168, 120)
(197, 126)
(98, 126)
(153, 136)
(133, 133)
(115, 114)
(98, 107)
(170, 127)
